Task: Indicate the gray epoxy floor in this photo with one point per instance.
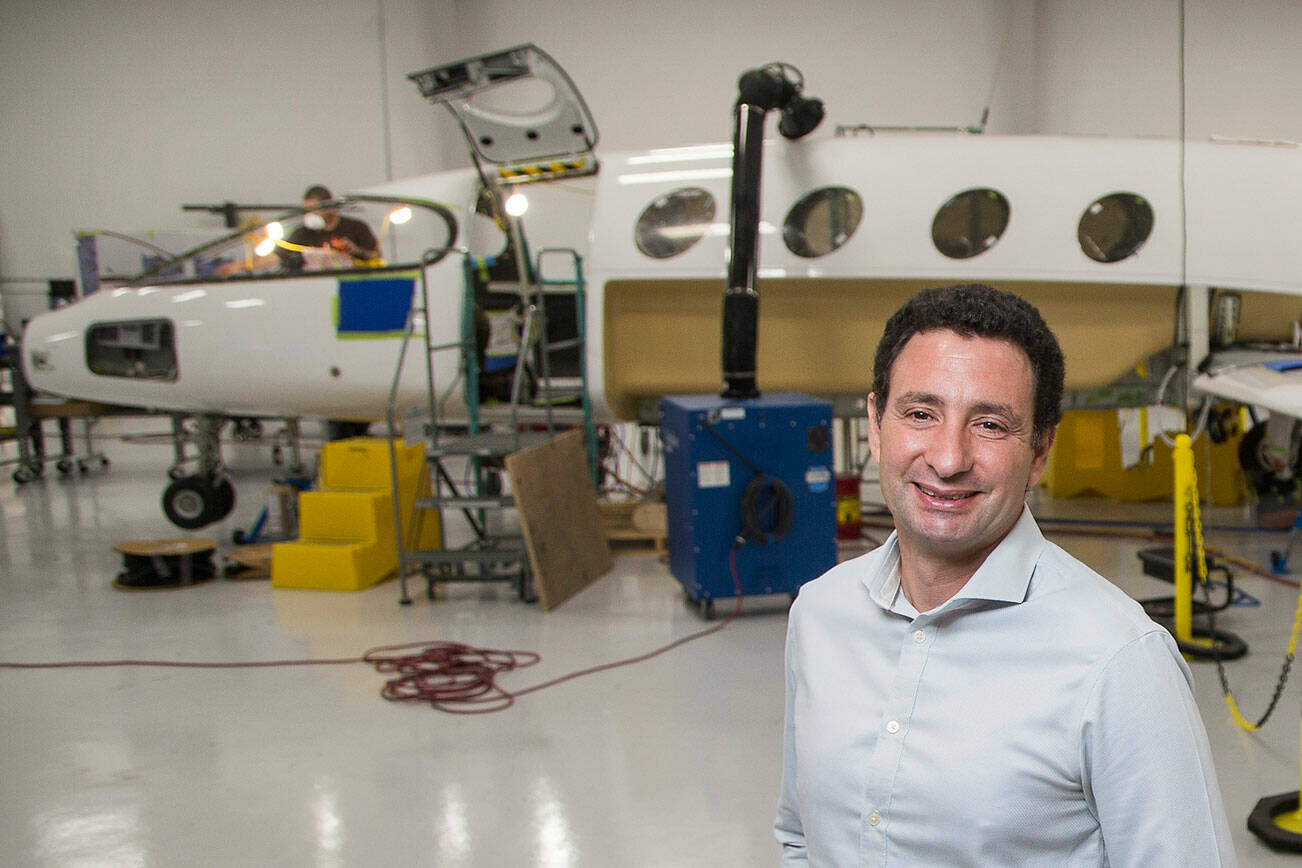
(671, 762)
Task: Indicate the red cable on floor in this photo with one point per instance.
(451, 677)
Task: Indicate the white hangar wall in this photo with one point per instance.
(116, 114)
(665, 73)
(1112, 67)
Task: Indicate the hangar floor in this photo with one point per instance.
(671, 762)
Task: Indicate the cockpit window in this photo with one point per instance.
(970, 223)
(822, 221)
(674, 222)
(142, 349)
(404, 231)
(1115, 227)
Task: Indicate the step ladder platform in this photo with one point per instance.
(502, 554)
(559, 415)
(489, 444)
(465, 502)
(500, 430)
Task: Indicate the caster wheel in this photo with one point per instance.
(24, 475)
(64, 466)
(706, 608)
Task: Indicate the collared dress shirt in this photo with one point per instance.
(1036, 718)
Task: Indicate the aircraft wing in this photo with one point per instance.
(1271, 379)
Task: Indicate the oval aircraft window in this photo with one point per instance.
(674, 222)
(142, 349)
(1115, 227)
(970, 223)
(822, 221)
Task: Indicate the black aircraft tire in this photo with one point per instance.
(191, 502)
(225, 501)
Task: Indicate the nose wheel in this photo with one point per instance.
(192, 502)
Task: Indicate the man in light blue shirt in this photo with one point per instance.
(969, 693)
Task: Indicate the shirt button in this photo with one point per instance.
(893, 727)
(874, 818)
(919, 636)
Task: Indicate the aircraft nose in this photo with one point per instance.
(45, 344)
(35, 362)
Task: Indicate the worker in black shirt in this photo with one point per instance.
(326, 240)
(326, 228)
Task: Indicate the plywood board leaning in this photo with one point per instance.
(559, 517)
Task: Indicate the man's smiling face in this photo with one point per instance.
(954, 445)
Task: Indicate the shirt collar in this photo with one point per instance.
(1004, 576)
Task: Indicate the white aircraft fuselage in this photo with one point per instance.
(1222, 216)
(1125, 245)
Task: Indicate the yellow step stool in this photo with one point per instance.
(346, 537)
(345, 515)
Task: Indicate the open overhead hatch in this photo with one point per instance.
(519, 111)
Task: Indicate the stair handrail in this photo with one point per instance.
(581, 326)
(428, 258)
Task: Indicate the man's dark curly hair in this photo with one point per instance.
(977, 310)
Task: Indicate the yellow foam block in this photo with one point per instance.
(361, 516)
(330, 566)
(363, 462)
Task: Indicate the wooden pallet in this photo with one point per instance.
(635, 528)
(249, 561)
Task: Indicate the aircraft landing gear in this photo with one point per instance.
(192, 502)
(196, 499)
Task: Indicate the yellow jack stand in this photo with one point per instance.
(1276, 820)
(1203, 643)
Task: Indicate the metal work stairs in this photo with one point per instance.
(476, 446)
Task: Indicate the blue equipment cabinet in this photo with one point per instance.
(727, 465)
